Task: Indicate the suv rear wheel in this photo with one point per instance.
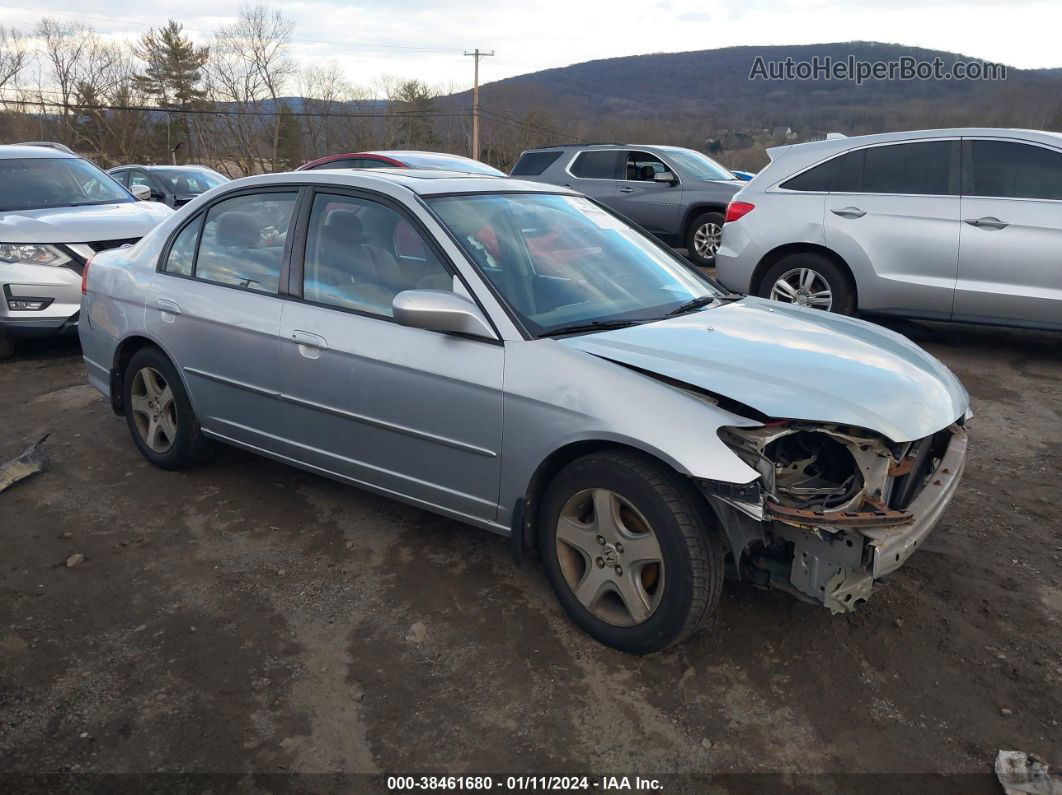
(702, 238)
(628, 551)
(811, 280)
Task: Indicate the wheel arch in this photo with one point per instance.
(123, 353)
(524, 538)
(772, 257)
(697, 209)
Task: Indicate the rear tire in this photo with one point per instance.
(628, 551)
(159, 414)
(7, 347)
(702, 238)
(810, 279)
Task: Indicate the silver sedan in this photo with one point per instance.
(515, 356)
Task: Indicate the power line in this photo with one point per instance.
(495, 116)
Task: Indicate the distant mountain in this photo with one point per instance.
(712, 89)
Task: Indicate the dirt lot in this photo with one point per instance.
(248, 617)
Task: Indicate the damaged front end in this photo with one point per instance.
(835, 508)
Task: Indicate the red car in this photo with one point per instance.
(403, 159)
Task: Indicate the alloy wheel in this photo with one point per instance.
(154, 409)
(803, 287)
(610, 557)
(706, 239)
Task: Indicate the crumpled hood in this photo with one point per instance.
(794, 363)
(82, 224)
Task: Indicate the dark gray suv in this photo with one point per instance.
(680, 195)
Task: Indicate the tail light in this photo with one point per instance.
(84, 276)
(736, 210)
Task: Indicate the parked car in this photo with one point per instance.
(171, 185)
(56, 211)
(677, 194)
(593, 395)
(403, 159)
(962, 225)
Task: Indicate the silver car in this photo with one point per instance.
(962, 225)
(514, 356)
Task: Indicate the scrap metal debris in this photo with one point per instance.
(1025, 774)
(33, 459)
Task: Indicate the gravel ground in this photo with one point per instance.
(247, 617)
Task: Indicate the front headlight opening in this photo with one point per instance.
(32, 254)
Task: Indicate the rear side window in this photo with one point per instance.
(531, 164)
(840, 174)
(1012, 170)
(243, 240)
(182, 252)
(597, 165)
(915, 168)
(354, 162)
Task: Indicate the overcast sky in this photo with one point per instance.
(421, 39)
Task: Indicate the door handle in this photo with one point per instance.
(168, 306)
(626, 190)
(988, 222)
(308, 340)
(849, 212)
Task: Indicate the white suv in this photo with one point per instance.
(56, 211)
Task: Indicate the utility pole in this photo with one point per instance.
(476, 54)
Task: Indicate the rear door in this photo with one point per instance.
(1010, 241)
(214, 307)
(656, 206)
(405, 410)
(596, 173)
(896, 223)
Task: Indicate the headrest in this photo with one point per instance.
(237, 230)
(647, 172)
(344, 228)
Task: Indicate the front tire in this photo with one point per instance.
(159, 414)
(628, 552)
(811, 280)
(7, 346)
(702, 238)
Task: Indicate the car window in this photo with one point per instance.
(597, 165)
(841, 174)
(140, 178)
(182, 252)
(355, 162)
(914, 168)
(122, 177)
(448, 162)
(188, 181)
(243, 241)
(360, 254)
(1012, 170)
(531, 164)
(644, 167)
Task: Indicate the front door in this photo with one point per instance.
(654, 205)
(410, 412)
(1010, 244)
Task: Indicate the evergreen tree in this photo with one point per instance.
(173, 73)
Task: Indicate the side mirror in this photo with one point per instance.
(665, 176)
(438, 310)
(141, 192)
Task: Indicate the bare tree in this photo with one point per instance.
(12, 56)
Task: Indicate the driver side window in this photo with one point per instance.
(643, 167)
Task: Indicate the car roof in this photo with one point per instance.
(162, 167)
(399, 181)
(841, 143)
(13, 151)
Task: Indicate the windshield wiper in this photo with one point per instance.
(704, 300)
(593, 325)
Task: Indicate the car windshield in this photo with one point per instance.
(35, 183)
(694, 164)
(563, 261)
(449, 162)
(189, 180)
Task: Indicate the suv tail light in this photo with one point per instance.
(736, 210)
(84, 276)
